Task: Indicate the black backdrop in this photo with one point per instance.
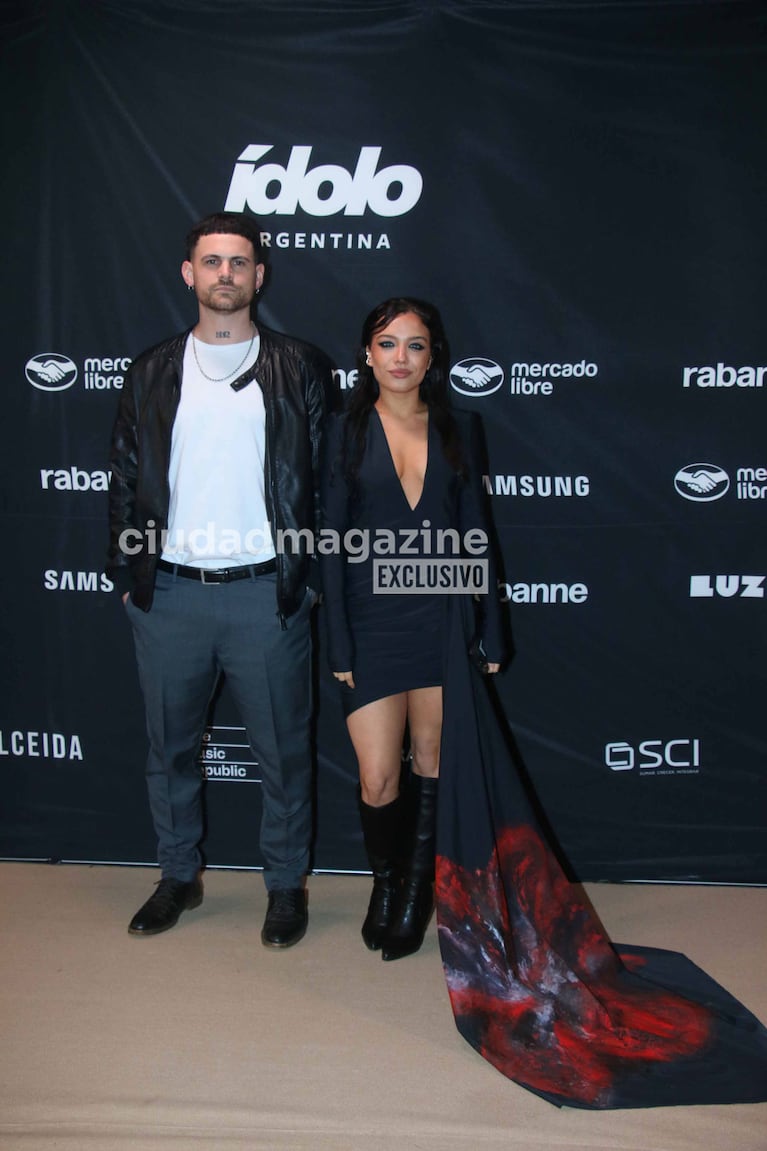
(580, 188)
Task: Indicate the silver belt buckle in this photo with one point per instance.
(222, 574)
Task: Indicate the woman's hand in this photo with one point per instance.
(344, 677)
(480, 661)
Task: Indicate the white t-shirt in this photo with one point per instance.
(217, 516)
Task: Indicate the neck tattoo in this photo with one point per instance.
(234, 371)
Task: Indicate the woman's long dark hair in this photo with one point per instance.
(433, 390)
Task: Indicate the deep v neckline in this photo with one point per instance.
(417, 503)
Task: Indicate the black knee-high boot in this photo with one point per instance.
(382, 832)
(415, 902)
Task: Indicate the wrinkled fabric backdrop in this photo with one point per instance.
(580, 188)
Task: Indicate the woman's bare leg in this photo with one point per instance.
(424, 714)
(377, 731)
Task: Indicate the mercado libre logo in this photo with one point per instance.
(476, 376)
(53, 372)
(702, 483)
(50, 372)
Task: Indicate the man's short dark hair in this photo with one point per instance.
(228, 224)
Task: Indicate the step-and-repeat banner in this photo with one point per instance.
(580, 188)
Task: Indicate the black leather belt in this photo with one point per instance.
(218, 575)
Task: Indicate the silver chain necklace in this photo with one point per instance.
(220, 379)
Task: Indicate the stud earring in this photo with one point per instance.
(367, 359)
(190, 287)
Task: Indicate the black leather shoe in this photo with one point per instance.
(286, 917)
(163, 908)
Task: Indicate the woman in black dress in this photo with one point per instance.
(536, 985)
(402, 488)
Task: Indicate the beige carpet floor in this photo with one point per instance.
(202, 1039)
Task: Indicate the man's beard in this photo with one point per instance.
(233, 300)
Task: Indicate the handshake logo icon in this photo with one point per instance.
(476, 377)
(51, 372)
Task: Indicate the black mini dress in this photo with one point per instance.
(382, 627)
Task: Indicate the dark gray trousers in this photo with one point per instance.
(192, 634)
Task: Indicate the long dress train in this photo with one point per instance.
(535, 984)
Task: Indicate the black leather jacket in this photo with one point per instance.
(295, 379)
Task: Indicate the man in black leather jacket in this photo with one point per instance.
(213, 505)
